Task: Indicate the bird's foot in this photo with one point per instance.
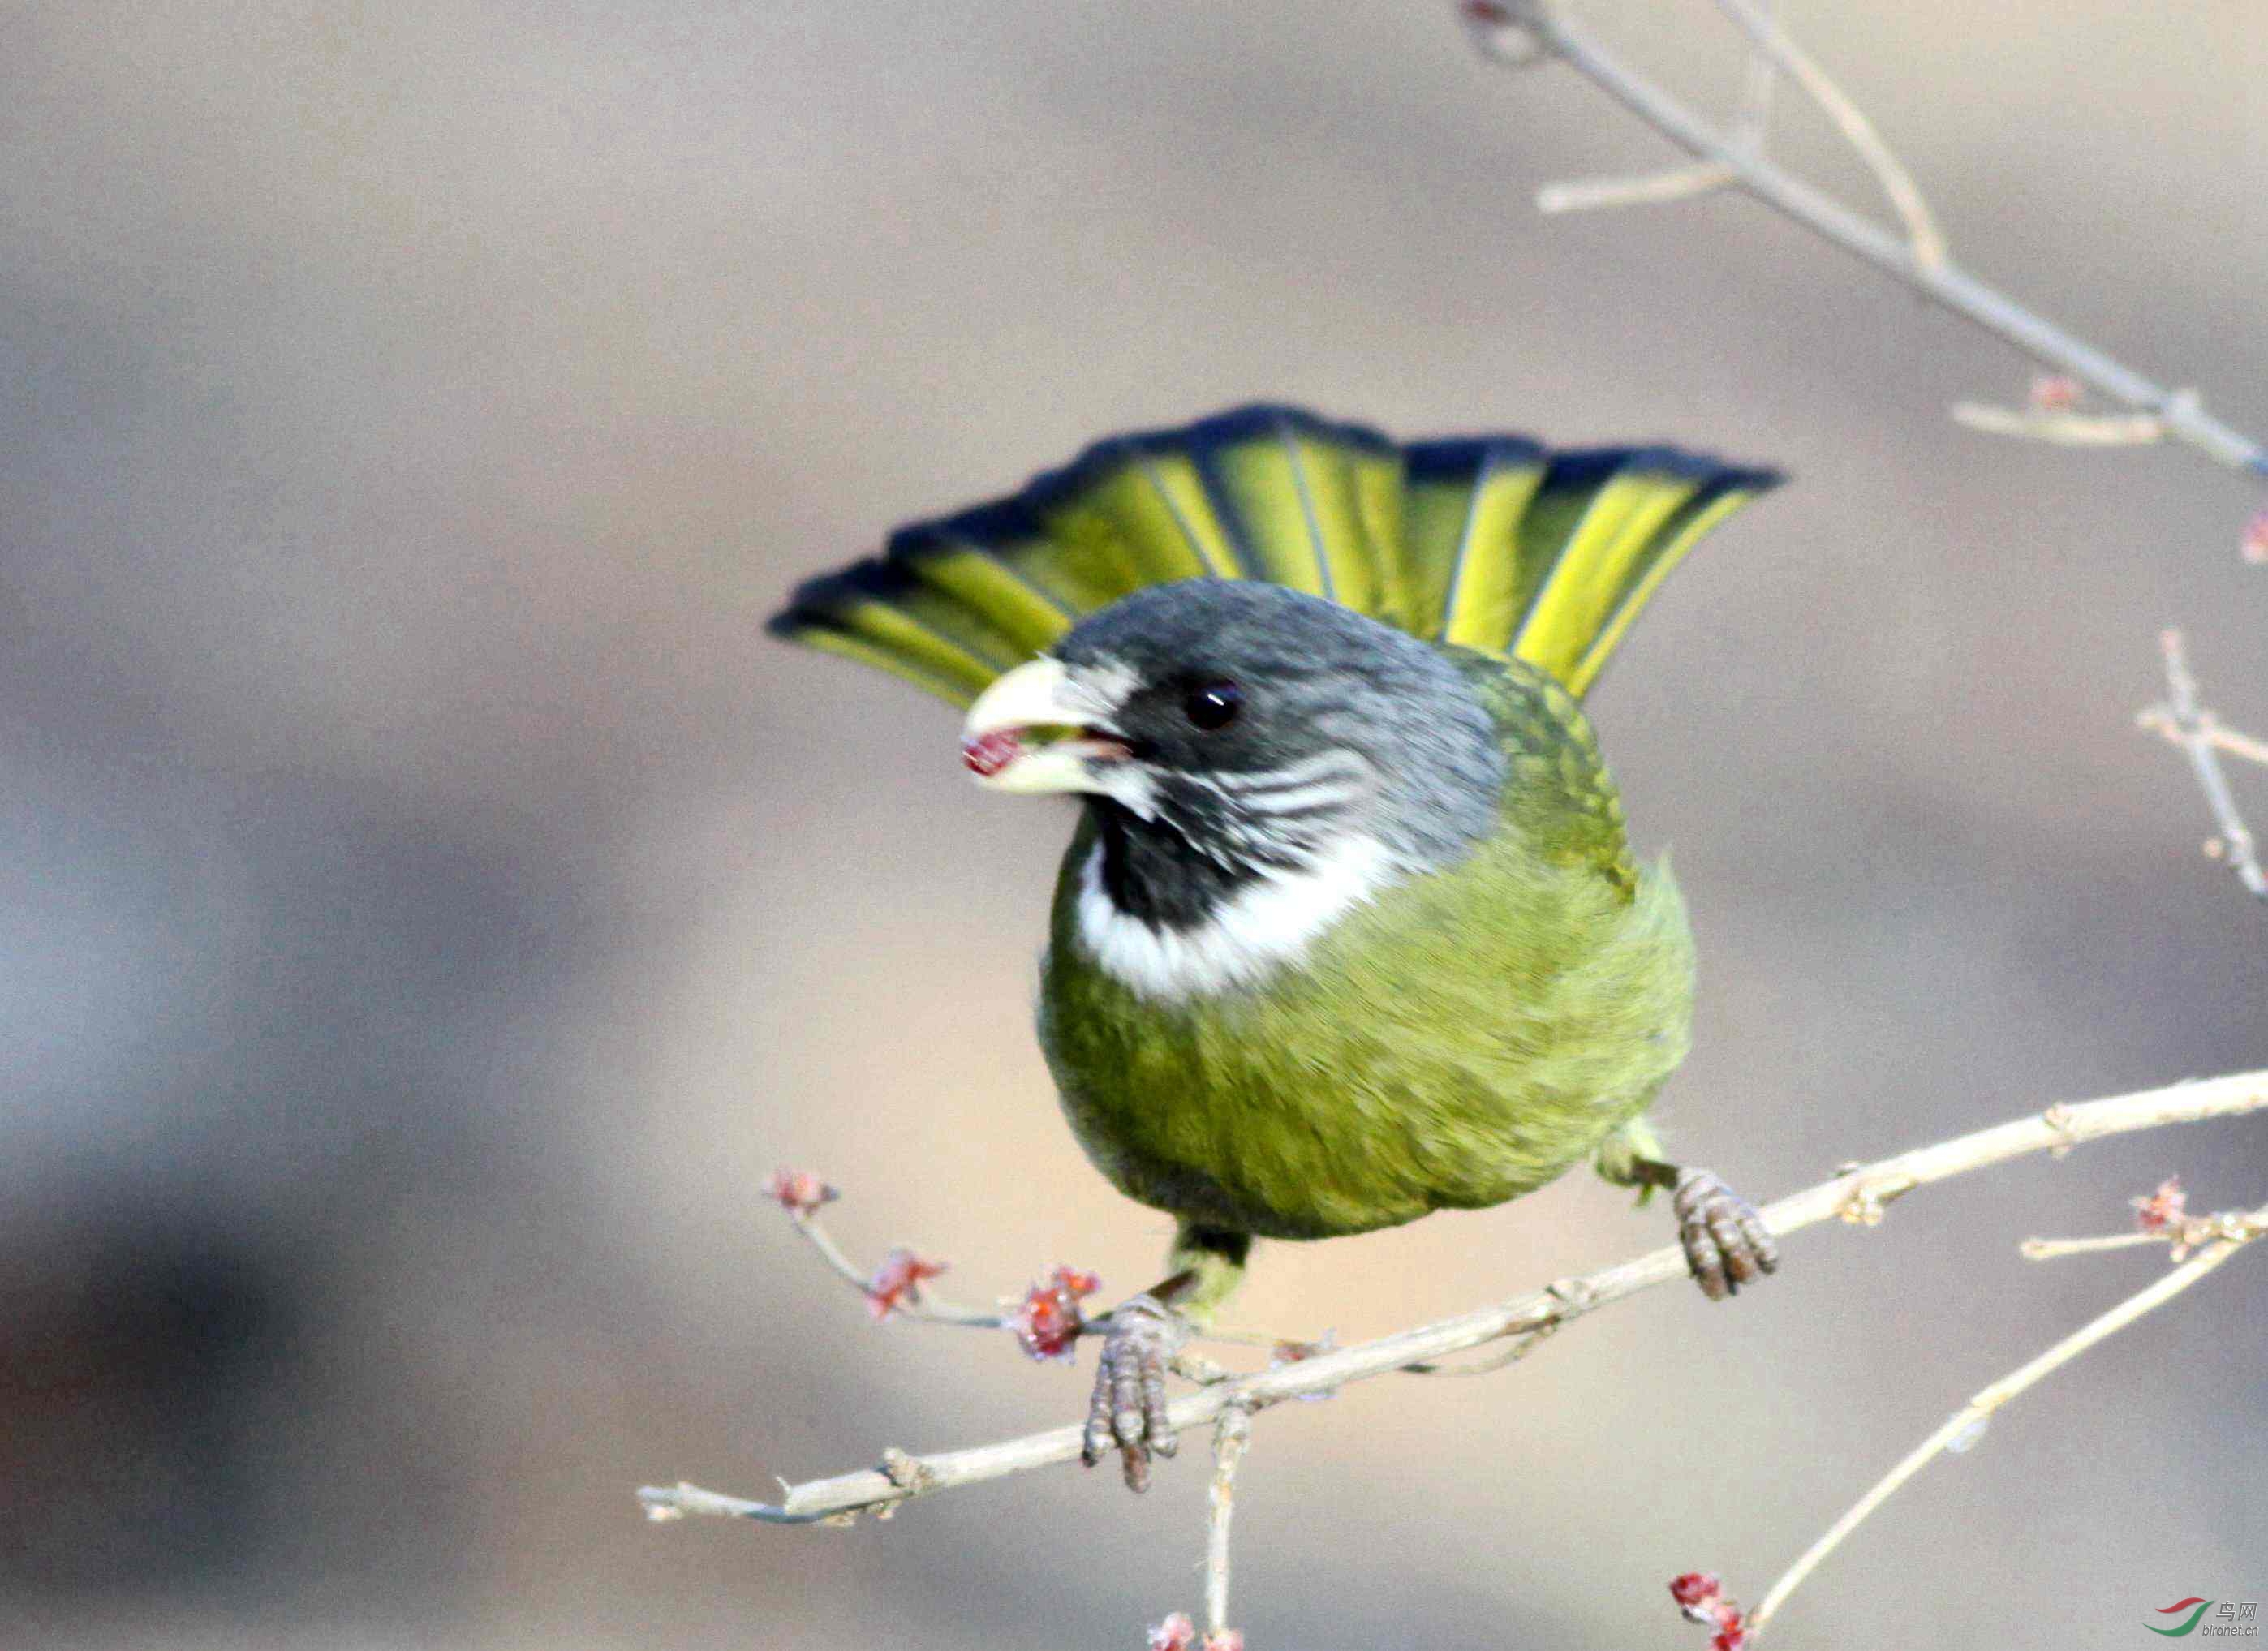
(1128, 1412)
(1726, 1243)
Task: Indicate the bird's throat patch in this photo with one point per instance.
(1268, 922)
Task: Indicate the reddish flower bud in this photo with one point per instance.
(1048, 1321)
(2255, 539)
(2164, 1209)
(2055, 392)
(799, 1192)
(1225, 1640)
(1285, 1353)
(1489, 14)
(1695, 1588)
(1081, 1284)
(1701, 1596)
(898, 1281)
(1177, 1633)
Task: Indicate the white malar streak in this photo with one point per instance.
(1270, 924)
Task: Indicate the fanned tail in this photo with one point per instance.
(1549, 556)
(1493, 543)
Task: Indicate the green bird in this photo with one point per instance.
(1349, 930)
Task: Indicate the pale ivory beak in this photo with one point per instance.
(1004, 746)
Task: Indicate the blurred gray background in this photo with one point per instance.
(432, 906)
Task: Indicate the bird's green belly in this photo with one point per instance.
(1422, 1057)
(1285, 1150)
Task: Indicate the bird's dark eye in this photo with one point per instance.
(1212, 706)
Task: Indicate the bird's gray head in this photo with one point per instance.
(1229, 733)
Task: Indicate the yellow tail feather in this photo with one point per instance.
(1493, 543)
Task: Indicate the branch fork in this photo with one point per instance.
(1517, 33)
(2201, 1244)
(2185, 721)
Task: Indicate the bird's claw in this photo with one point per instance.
(1725, 1241)
(1128, 1414)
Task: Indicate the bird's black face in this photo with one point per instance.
(1227, 731)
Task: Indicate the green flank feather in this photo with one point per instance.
(1492, 543)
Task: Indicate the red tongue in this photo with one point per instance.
(987, 753)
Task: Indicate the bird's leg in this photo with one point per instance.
(1128, 1414)
(1724, 1238)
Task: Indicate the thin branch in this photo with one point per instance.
(2191, 721)
(1851, 1195)
(1516, 1349)
(1759, 76)
(1959, 1430)
(924, 1306)
(1923, 236)
(2053, 1249)
(2160, 721)
(1551, 30)
(1651, 189)
(2185, 1233)
(2062, 430)
(1232, 1436)
(927, 1306)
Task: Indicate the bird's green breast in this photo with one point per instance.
(1462, 1037)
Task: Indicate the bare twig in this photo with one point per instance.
(2186, 1234)
(2052, 1249)
(2160, 721)
(924, 1306)
(1232, 1436)
(803, 1195)
(2190, 722)
(1849, 1195)
(1516, 1350)
(1959, 1430)
(1542, 29)
(2062, 430)
(1923, 236)
(1758, 77)
(1652, 188)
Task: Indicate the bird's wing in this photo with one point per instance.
(1493, 543)
(1558, 797)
